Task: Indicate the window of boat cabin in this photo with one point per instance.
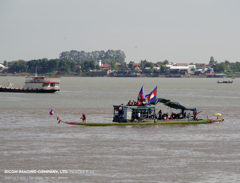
(45, 85)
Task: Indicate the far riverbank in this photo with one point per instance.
(142, 75)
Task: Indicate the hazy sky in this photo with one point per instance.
(180, 31)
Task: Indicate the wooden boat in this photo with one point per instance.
(131, 114)
(164, 122)
(225, 82)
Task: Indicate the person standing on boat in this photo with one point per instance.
(160, 114)
(189, 116)
(182, 113)
(138, 115)
(83, 117)
(195, 115)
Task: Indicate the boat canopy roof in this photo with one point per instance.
(175, 105)
(136, 107)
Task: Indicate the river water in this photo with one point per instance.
(31, 139)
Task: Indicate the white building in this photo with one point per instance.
(173, 69)
(98, 62)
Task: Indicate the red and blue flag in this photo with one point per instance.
(151, 96)
(141, 95)
(52, 111)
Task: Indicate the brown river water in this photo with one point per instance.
(35, 148)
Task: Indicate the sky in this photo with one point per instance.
(180, 31)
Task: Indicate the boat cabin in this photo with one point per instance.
(125, 114)
(43, 82)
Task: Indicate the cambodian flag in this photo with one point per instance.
(151, 96)
(52, 111)
(141, 95)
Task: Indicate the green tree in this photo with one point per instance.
(53, 65)
(220, 67)
(149, 64)
(163, 68)
(150, 70)
(88, 65)
(63, 66)
(5, 63)
(166, 62)
(81, 56)
(143, 63)
(18, 66)
(212, 61)
(45, 67)
(113, 65)
(130, 65)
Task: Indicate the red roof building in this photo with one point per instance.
(105, 67)
(210, 75)
(136, 64)
(201, 64)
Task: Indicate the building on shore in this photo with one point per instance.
(98, 62)
(179, 68)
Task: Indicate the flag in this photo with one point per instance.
(151, 96)
(52, 111)
(141, 95)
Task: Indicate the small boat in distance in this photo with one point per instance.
(225, 81)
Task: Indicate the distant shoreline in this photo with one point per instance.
(24, 74)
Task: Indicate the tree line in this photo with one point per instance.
(68, 66)
(108, 56)
(224, 66)
(43, 66)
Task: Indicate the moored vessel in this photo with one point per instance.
(34, 84)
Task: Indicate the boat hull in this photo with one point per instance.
(31, 90)
(229, 82)
(142, 123)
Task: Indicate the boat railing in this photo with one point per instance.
(42, 80)
(41, 88)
